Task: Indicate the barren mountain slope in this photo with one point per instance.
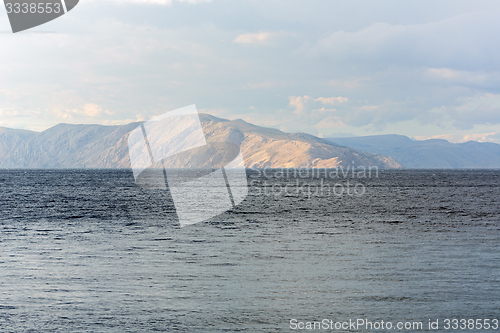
(96, 146)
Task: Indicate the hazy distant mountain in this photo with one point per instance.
(11, 138)
(428, 154)
(96, 146)
(67, 146)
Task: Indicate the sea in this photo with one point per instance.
(90, 251)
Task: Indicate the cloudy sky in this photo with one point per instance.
(329, 68)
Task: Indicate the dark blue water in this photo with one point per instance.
(89, 251)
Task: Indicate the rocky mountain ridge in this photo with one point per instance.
(98, 146)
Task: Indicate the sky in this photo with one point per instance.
(425, 69)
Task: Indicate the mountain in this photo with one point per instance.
(11, 138)
(266, 147)
(97, 146)
(68, 146)
(428, 154)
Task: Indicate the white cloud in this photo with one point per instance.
(92, 110)
(299, 103)
(330, 123)
(155, 2)
(305, 104)
(87, 111)
(263, 38)
(458, 77)
(430, 66)
(255, 38)
(323, 110)
(332, 100)
(350, 84)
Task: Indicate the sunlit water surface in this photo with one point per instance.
(89, 251)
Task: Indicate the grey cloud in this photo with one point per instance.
(461, 42)
(419, 61)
